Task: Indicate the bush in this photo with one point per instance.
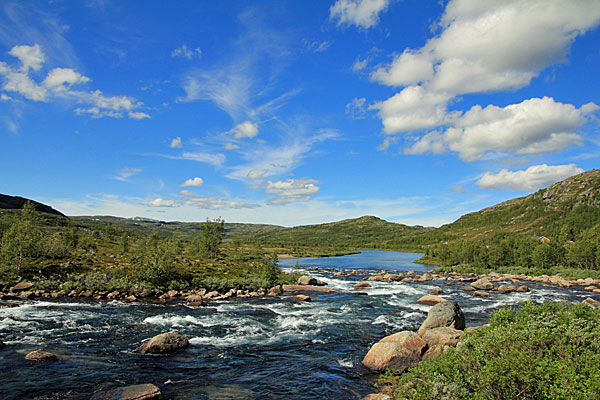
(549, 351)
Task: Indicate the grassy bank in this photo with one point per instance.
(549, 351)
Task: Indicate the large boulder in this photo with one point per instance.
(41, 356)
(482, 284)
(136, 392)
(397, 352)
(444, 336)
(164, 343)
(447, 313)
(306, 280)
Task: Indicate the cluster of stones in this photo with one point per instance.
(443, 328)
(25, 291)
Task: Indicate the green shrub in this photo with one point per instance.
(549, 351)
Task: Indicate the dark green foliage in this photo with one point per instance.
(549, 351)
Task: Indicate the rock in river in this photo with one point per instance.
(40, 356)
(164, 343)
(482, 284)
(136, 392)
(398, 352)
(447, 313)
(430, 300)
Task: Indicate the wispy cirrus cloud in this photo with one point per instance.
(125, 173)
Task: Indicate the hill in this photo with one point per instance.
(16, 203)
(363, 232)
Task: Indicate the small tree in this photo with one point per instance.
(22, 239)
(207, 244)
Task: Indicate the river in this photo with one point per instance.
(264, 348)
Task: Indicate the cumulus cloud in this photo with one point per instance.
(193, 182)
(58, 84)
(412, 109)
(292, 190)
(487, 46)
(30, 56)
(534, 126)
(186, 52)
(362, 13)
(533, 178)
(231, 146)
(124, 174)
(63, 78)
(160, 202)
(484, 47)
(246, 129)
(176, 143)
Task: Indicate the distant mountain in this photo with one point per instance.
(367, 231)
(14, 203)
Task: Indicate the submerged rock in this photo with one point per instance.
(164, 343)
(136, 392)
(41, 356)
(447, 313)
(397, 352)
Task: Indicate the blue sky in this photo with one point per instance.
(295, 112)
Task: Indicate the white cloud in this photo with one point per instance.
(215, 159)
(412, 109)
(362, 13)
(292, 190)
(186, 52)
(407, 69)
(256, 174)
(534, 126)
(213, 203)
(58, 85)
(124, 174)
(357, 108)
(30, 56)
(359, 65)
(489, 46)
(485, 47)
(176, 143)
(138, 115)
(160, 202)
(193, 182)
(5, 97)
(231, 146)
(63, 78)
(533, 178)
(246, 129)
(274, 161)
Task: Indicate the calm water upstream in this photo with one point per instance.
(248, 349)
